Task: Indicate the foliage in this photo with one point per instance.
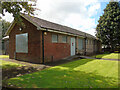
(16, 8)
(5, 26)
(0, 29)
(108, 29)
(84, 73)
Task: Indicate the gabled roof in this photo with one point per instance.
(40, 23)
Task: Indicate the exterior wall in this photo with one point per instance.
(92, 47)
(89, 46)
(33, 54)
(76, 45)
(52, 51)
(55, 51)
(81, 52)
(98, 46)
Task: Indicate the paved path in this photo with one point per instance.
(46, 65)
(86, 57)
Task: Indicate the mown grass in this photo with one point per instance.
(4, 56)
(8, 65)
(109, 56)
(84, 73)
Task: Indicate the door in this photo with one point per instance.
(72, 46)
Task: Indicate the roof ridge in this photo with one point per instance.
(75, 31)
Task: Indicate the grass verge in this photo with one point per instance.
(109, 56)
(84, 73)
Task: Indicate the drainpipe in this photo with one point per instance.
(43, 47)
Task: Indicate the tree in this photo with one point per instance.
(108, 29)
(15, 8)
(5, 26)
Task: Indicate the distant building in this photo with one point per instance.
(5, 45)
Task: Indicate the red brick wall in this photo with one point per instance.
(33, 54)
(52, 51)
(55, 51)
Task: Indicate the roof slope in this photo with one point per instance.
(50, 25)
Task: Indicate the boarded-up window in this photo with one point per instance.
(54, 38)
(80, 44)
(22, 43)
(64, 39)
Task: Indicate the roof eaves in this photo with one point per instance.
(56, 31)
(38, 27)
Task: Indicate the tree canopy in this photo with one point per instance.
(5, 26)
(108, 28)
(16, 8)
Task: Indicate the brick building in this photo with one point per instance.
(43, 41)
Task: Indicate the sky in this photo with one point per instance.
(82, 15)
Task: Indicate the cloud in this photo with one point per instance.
(77, 14)
(8, 17)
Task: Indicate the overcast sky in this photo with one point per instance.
(79, 14)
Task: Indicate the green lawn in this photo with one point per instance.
(84, 73)
(4, 56)
(8, 65)
(109, 56)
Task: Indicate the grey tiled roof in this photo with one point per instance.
(57, 27)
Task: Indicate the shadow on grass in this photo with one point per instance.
(8, 66)
(64, 61)
(64, 76)
(13, 72)
(59, 78)
(77, 63)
